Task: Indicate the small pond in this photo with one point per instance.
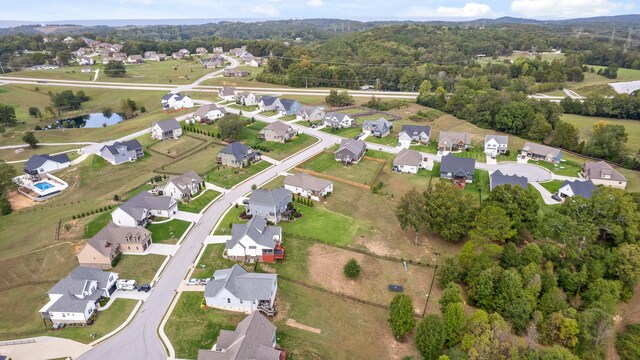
(95, 120)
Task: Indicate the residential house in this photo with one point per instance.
(149, 54)
(158, 57)
(236, 73)
(45, 163)
(409, 161)
(255, 241)
(120, 55)
(278, 131)
(177, 55)
(144, 207)
(254, 338)
(498, 178)
(227, 93)
(246, 98)
(165, 130)
(209, 113)
(310, 113)
(121, 152)
(601, 173)
(272, 205)
(267, 103)
(237, 155)
(338, 120)
(414, 134)
(109, 59)
(104, 247)
(135, 59)
(379, 128)
(350, 151)
(453, 141)
(495, 145)
(82, 51)
(73, 299)
(176, 101)
(541, 152)
(85, 60)
(218, 50)
(116, 48)
(577, 188)
(246, 56)
(235, 289)
(182, 187)
(201, 51)
(458, 169)
(308, 186)
(213, 62)
(184, 52)
(255, 62)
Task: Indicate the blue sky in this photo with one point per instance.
(51, 10)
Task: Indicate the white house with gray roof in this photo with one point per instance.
(182, 187)
(45, 163)
(73, 299)
(535, 151)
(310, 113)
(269, 204)
(413, 134)
(165, 130)
(235, 289)
(409, 161)
(601, 173)
(577, 188)
(350, 151)
(255, 241)
(338, 120)
(142, 208)
(209, 113)
(246, 98)
(495, 145)
(227, 93)
(378, 128)
(237, 155)
(308, 186)
(267, 103)
(253, 338)
(121, 152)
(278, 131)
(176, 101)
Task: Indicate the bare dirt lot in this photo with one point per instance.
(325, 268)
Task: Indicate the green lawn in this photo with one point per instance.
(232, 217)
(363, 172)
(287, 118)
(623, 74)
(586, 123)
(280, 151)
(177, 147)
(140, 268)
(432, 148)
(389, 140)
(321, 224)
(191, 327)
(106, 322)
(251, 108)
(349, 133)
(552, 186)
(97, 223)
(211, 261)
(269, 113)
(476, 152)
(480, 186)
(565, 167)
(168, 232)
(201, 161)
(227, 177)
(196, 205)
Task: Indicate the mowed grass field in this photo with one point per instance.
(586, 123)
(363, 172)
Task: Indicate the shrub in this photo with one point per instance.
(116, 197)
(352, 269)
(73, 217)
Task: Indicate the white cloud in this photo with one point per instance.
(468, 10)
(314, 2)
(566, 8)
(263, 10)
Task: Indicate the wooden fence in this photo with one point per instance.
(334, 178)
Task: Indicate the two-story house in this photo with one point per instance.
(272, 205)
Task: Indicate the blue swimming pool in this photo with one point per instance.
(43, 185)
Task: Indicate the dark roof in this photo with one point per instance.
(168, 96)
(137, 205)
(356, 147)
(238, 150)
(130, 145)
(78, 277)
(498, 179)
(453, 164)
(415, 130)
(36, 161)
(271, 197)
(580, 188)
(257, 230)
(168, 125)
(287, 103)
(268, 100)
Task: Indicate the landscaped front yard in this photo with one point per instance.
(211, 261)
(552, 186)
(227, 176)
(191, 328)
(269, 113)
(251, 108)
(232, 217)
(363, 172)
(566, 167)
(196, 205)
(349, 133)
(141, 268)
(168, 232)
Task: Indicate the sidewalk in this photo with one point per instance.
(45, 347)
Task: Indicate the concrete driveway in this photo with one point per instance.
(546, 195)
(162, 249)
(533, 173)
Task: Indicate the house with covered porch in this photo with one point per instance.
(255, 241)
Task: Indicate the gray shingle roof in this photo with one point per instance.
(280, 128)
(540, 149)
(353, 146)
(408, 157)
(129, 145)
(168, 96)
(338, 116)
(242, 284)
(69, 303)
(257, 230)
(269, 197)
(107, 239)
(238, 150)
(600, 169)
(268, 100)
(307, 182)
(228, 91)
(500, 139)
(77, 278)
(136, 205)
(453, 137)
(287, 103)
(36, 161)
(453, 164)
(181, 181)
(204, 110)
(381, 125)
(168, 125)
(581, 188)
(497, 178)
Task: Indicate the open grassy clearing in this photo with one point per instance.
(141, 268)
(106, 322)
(623, 74)
(196, 205)
(211, 261)
(179, 146)
(25, 153)
(348, 133)
(552, 186)
(19, 316)
(586, 123)
(280, 151)
(316, 221)
(227, 176)
(231, 217)
(363, 172)
(191, 328)
(72, 72)
(201, 161)
(565, 167)
(168, 232)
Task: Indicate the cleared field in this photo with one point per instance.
(586, 123)
(25, 153)
(201, 161)
(315, 222)
(363, 172)
(280, 151)
(226, 176)
(140, 268)
(174, 148)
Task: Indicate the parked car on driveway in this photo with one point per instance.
(123, 284)
(193, 282)
(144, 287)
(556, 197)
